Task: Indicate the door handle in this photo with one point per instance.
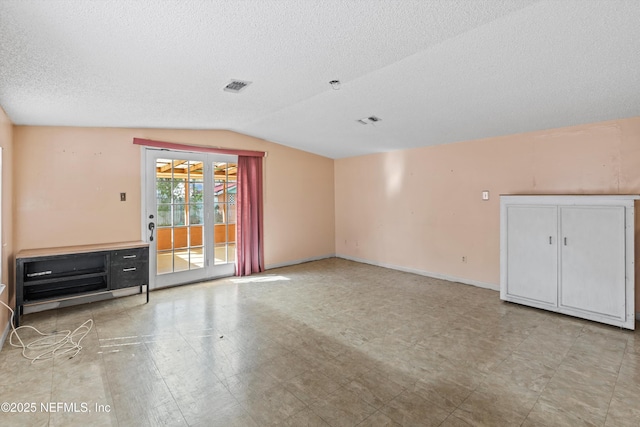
(151, 227)
(550, 241)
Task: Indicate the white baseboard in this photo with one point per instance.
(5, 334)
(299, 261)
(471, 282)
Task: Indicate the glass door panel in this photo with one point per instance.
(225, 183)
(179, 198)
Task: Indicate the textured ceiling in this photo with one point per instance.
(434, 71)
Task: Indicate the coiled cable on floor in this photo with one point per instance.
(49, 345)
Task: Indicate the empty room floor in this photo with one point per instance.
(327, 343)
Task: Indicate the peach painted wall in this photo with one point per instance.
(421, 208)
(68, 182)
(6, 142)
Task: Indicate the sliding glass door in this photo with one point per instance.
(189, 215)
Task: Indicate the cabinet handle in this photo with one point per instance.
(39, 273)
(128, 256)
(550, 242)
(129, 269)
(565, 241)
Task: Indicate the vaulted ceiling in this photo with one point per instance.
(433, 71)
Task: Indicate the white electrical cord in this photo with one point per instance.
(52, 344)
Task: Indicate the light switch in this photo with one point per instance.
(123, 197)
(485, 195)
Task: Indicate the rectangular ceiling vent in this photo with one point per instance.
(236, 86)
(370, 119)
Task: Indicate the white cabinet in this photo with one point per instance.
(570, 254)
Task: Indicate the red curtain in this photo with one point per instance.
(249, 227)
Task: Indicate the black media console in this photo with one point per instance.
(59, 274)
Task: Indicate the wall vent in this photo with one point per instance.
(236, 86)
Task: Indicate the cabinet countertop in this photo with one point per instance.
(30, 253)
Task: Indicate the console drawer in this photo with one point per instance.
(129, 274)
(128, 256)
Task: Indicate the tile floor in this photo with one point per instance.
(328, 343)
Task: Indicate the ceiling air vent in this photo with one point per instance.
(370, 119)
(236, 86)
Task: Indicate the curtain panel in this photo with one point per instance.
(249, 228)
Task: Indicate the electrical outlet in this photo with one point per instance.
(464, 259)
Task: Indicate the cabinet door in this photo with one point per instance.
(532, 253)
(592, 265)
